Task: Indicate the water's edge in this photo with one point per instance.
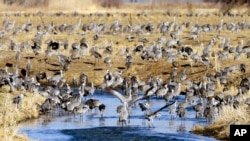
(91, 126)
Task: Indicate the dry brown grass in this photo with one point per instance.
(78, 66)
(54, 5)
(88, 6)
(142, 69)
(220, 127)
(10, 115)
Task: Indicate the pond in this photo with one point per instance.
(67, 127)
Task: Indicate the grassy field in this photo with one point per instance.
(140, 14)
(96, 72)
(10, 115)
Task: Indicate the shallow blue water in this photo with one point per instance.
(65, 127)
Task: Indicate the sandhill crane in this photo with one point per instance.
(129, 60)
(173, 74)
(46, 106)
(145, 107)
(12, 88)
(96, 36)
(81, 109)
(53, 44)
(162, 91)
(52, 91)
(90, 90)
(199, 109)
(95, 103)
(40, 76)
(71, 105)
(143, 40)
(29, 66)
(9, 26)
(48, 54)
(28, 26)
(172, 109)
(49, 28)
(181, 112)
(138, 48)
(183, 75)
(108, 61)
(116, 26)
(73, 28)
(18, 100)
(151, 90)
(18, 56)
(155, 114)
(130, 38)
(68, 89)
(66, 44)
(6, 21)
(183, 104)
(127, 103)
(74, 81)
(83, 78)
(62, 27)
(64, 61)
(101, 108)
(96, 54)
(210, 112)
(75, 54)
(54, 80)
(16, 73)
(108, 79)
(82, 90)
(169, 95)
(75, 45)
(123, 112)
(84, 45)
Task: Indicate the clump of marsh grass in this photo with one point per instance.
(8, 124)
(11, 115)
(221, 125)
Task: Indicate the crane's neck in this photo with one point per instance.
(126, 106)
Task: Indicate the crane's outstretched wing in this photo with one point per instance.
(118, 95)
(165, 106)
(137, 99)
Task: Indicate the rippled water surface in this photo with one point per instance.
(66, 127)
